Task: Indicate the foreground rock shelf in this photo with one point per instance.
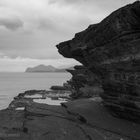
(83, 83)
(83, 119)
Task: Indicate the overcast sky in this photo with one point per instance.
(30, 29)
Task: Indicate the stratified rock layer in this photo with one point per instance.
(111, 51)
(83, 83)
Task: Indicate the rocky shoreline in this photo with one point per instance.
(84, 119)
(110, 53)
(102, 99)
(28, 97)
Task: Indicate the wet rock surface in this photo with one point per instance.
(111, 51)
(83, 119)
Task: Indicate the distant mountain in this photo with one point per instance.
(43, 68)
(66, 66)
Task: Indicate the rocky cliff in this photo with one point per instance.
(84, 83)
(111, 51)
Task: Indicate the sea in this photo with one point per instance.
(11, 84)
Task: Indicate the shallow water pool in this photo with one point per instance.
(49, 101)
(33, 96)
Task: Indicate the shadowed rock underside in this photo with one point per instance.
(111, 51)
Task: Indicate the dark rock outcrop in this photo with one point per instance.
(59, 88)
(111, 51)
(82, 119)
(83, 83)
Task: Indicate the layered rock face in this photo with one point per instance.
(84, 83)
(111, 51)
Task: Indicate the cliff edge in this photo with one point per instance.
(111, 51)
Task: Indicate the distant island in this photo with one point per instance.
(43, 68)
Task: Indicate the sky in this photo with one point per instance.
(30, 29)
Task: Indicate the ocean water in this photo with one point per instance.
(11, 84)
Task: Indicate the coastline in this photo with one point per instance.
(12, 84)
(73, 119)
(102, 99)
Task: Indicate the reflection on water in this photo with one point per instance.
(33, 96)
(49, 101)
(11, 84)
(20, 108)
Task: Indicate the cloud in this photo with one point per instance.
(46, 24)
(2, 55)
(36, 26)
(20, 64)
(96, 9)
(68, 1)
(11, 24)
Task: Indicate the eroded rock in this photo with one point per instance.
(111, 51)
(84, 83)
